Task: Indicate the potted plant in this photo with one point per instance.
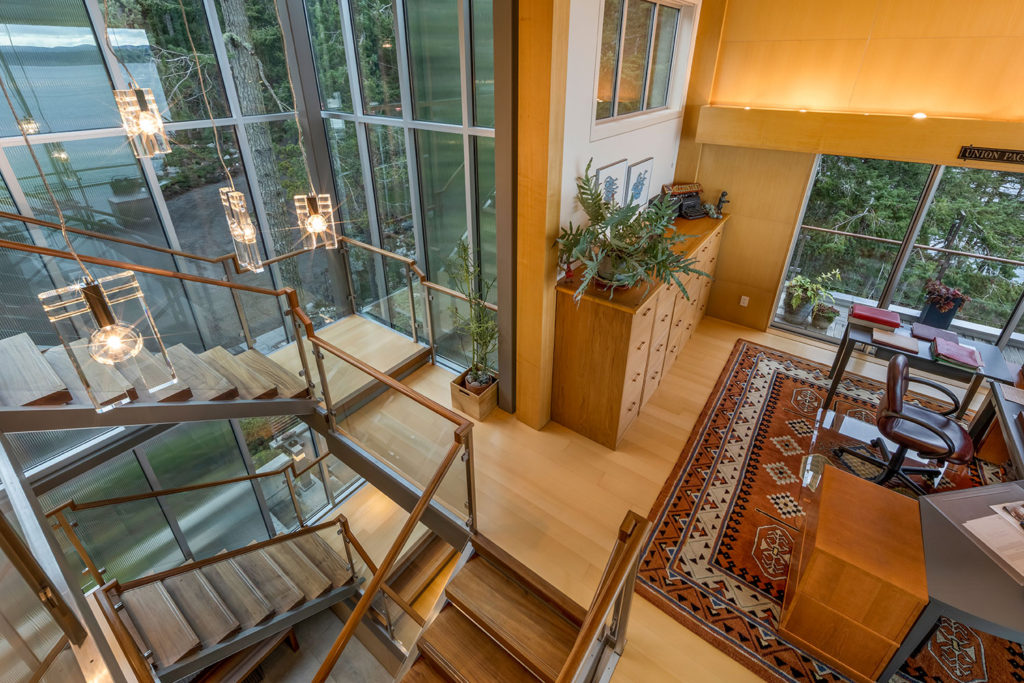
(623, 246)
(822, 315)
(943, 303)
(802, 293)
(475, 391)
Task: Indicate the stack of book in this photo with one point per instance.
(869, 316)
(956, 355)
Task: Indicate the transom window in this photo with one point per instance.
(639, 42)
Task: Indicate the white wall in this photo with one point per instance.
(645, 135)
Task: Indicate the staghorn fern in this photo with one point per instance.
(630, 240)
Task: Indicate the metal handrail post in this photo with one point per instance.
(295, 500)
(332, 420)
(300, 347)
(470, 482)
(237, 298)
(342, 526)
(622, 609)
(69, 531)
(347, 259)
(427, 299)
(412, 304)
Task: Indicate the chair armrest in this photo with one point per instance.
(950, 448)
(943, 389)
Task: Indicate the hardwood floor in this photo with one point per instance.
(554, 499)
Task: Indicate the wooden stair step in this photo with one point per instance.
(322, 555)
(160, 624)
(279, 590)
(26, 379)
(250, 385)
(287, 383)
(422, 671)
(418, 574)
(243, 599)
(206, 383)
(107, 385)
(534, 632)
(463, 652)
(238, 667)
(148, 369)
(297, 567)
(202, 607)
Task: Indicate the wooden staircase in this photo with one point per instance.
(499, 622)
(41, 387)
(189, 618)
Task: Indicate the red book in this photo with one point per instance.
(958, 353)
(874, 317)
(928, 333)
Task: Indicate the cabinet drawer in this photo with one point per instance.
(643, 321)
(630, 408)
(675, 346)
(663, 314)
(655, 367)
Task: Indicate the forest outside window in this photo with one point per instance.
(639, 41)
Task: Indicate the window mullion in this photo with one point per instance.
(907, 248)
(646, 86)
(250, 469)
(618, 62)
(169, 516)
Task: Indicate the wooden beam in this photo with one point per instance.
(543, 37)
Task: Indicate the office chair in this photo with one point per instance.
(932, 435)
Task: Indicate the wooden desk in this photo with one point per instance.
(964, 583)
(993, 364)
(857, 582)
(1004, 411)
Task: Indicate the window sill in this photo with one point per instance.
(599, 130)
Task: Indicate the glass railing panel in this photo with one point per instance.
(219, 518)
(279, 503)
(450, 338)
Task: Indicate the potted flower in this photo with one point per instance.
(475, 391)
(624, 246)
(802, 293)
(943, 303)
(822, 315)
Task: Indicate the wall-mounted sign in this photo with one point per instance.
(1006, 156)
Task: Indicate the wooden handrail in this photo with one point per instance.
(220, 557)
(385, 567)
(452, 293)
(631, 536)
(49, 659)
(136, 662)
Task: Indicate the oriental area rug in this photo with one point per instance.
(725, 523)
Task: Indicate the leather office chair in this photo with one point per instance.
(932, 435)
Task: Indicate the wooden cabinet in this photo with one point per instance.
(613, 349)
(857, 580)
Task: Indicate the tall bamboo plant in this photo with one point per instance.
(624, 246)
(479, 326)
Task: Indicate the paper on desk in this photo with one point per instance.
(1001, 539)
(1004, 511)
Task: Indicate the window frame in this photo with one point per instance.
(676, 95)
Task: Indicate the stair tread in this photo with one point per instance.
(107, 385)
(422, 671)
(203, 609)
(303, 573)
(206, 383)
(323, 557)
(457, 647)
(287, 383)
(250, 385)
(240, 665)
(146, 368)
(160, 623)
(26, 379)
(242, 598)
(417, 575)
(279, 590)
(522, 623)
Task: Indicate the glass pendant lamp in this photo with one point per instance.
(142, 121)
(107, 321)
(316, 220)
(243, 232)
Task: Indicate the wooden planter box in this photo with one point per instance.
(477, 406)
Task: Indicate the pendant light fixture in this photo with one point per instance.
(140, 116)
(102, 320)
(236, 210)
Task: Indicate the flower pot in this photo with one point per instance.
(821, 322)
(477, 405)
(795, 315)
(936, 318)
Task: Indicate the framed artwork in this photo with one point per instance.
(612, 181)
(638, 181)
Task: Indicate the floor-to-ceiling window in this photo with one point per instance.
(407, 95)
(889, 227)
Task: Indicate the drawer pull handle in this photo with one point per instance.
(641, 345)
(646, 311)
(672, 350)
(637, 376)
(631, 406)
(658, 347)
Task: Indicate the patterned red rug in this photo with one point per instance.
(727, 517)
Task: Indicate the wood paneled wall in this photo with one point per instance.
(543, 45)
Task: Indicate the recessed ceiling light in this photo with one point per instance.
(803, 111)
(746, 108)
(920, 115)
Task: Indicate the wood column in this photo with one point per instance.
(543, 49)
